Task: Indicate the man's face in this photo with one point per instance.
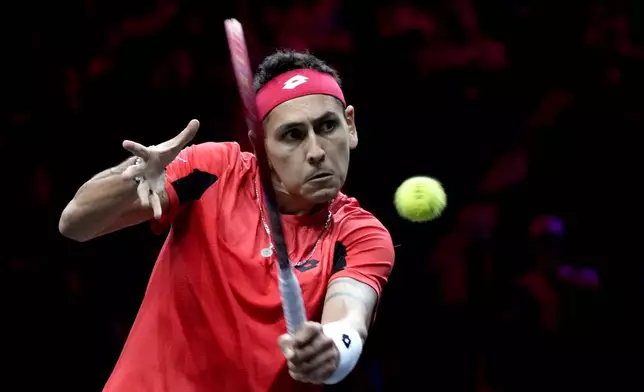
(308, 140)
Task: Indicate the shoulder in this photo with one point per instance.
(366, 251)
(216, 157)
(352, 219)
(212, 153)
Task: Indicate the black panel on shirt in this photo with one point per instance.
(192, 187)
(339, 257)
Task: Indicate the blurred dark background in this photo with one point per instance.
(528, 111)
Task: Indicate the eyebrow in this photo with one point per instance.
(294, 124)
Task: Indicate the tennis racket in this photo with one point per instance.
(290, 291)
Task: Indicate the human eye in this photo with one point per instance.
(328, 126)
(291, 135)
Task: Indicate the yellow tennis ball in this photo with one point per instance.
(420, 199)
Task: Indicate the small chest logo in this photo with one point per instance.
(310, 264)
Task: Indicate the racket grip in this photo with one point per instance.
(292, 301)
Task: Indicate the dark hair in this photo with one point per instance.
(284, 61)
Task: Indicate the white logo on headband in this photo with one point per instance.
(294, 82)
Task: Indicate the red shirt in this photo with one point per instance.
(212, 314)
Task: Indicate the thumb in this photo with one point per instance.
(285, 343)
(185, 136)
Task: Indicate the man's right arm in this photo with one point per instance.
(111, 200)
(106, 203)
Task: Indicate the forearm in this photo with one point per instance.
(353, 319)
(98, 203)
(346, 317)
(351, 303)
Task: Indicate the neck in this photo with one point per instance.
(291, 206)
(286, 203)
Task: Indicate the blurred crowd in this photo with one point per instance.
(526, 110)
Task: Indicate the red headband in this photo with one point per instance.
(294, 84)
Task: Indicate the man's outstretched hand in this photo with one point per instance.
(150, 167)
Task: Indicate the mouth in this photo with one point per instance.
(320, 176)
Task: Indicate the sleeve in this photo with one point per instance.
(193, 171)
(368, 255)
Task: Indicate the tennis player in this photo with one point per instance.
(211, 318)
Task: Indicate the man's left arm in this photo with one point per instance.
(362, 270)
(327, 352)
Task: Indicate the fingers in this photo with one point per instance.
(183, 138)
(285, 343)
(304, 354)
(137, 149)
(317, 371)
(309, 358)
(308, 340)
(311, 355)
(156, 205)
(143, 190)
(134, 171)
(308, 332)
(149, 198)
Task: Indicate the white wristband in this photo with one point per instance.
(349, 344)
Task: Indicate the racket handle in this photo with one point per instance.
(292, 301)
